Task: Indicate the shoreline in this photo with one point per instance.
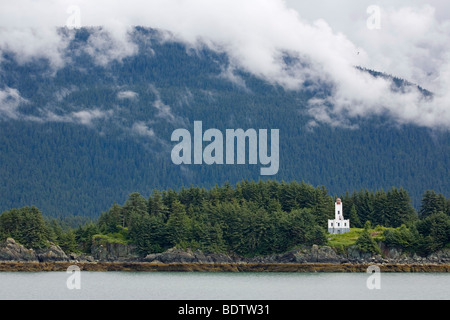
(218, 267)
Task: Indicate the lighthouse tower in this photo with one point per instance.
(338, 225)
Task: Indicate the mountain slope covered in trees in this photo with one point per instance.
(83, 136)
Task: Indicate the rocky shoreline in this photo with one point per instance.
(215, 267)
(120, 257)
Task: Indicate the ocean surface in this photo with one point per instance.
(223, 286)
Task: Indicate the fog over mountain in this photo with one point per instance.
(412, 42)
(90, 93)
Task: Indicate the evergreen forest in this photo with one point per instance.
(248, 219)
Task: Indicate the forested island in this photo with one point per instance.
(265, 221)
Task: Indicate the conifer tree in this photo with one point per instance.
(178, 225)
(354, 219)
(432, 203)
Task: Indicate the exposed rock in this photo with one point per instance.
(442, 256)
(396, 255)
(298, 255)
(82, 258)
(327, 255)
(315, 254)
(221, 258)
(12, 251)
(150, 258)
(356, 255)
(52, 254)
(390, 252)
(177, 256)
(292, 256)
(303, 255)
(200, 257)
(103, 251)
(187, 256)
(156, 261)
(106, 251)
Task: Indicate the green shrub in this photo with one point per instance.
(399, 238)
(366, 243)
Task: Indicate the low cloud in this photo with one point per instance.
(106, 45)
(86, 117)
(258, 36)
(142, 130)
(164, 111)
(30, 43)
(83, 117)
(411, 43)
(230, 75)
(130, 95)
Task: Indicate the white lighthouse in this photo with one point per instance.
(338, 225)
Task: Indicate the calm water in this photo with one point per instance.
(227, 286)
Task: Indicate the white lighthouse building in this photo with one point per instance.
(338, 225)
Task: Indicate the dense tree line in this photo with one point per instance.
(249, 219)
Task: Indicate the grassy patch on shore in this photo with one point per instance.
(342, 242)
(120, 237)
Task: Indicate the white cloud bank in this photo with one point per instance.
(413, 42)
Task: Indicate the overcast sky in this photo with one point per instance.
(409, 39)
